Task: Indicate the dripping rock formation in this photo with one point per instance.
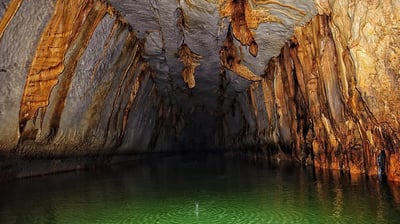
(316, 82)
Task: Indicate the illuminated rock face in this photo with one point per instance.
(268, 77)
(334, 90)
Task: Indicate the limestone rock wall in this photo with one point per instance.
(74, 82)
(331, 97)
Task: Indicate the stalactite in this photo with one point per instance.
(190, 61)
(231, 60)
(243, 18)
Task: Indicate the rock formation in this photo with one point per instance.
(313, 82)
(334, 88)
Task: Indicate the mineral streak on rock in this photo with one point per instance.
(48, 62)
(11, 10)
(91, 15)
(131, 66)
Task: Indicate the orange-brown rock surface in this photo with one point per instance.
(334, 89)
(84, 80)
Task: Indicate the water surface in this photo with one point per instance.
(198, 189)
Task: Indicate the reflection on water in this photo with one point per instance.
(194, 189)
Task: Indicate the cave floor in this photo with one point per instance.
(199, 189)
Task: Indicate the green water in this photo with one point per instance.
(189, 189)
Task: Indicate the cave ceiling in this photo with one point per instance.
(183, 41)
(202, 55)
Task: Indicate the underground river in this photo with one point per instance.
(199, 189)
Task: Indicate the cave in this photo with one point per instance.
(210, 99)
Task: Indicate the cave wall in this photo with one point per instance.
(331, 97)
(74, 82)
